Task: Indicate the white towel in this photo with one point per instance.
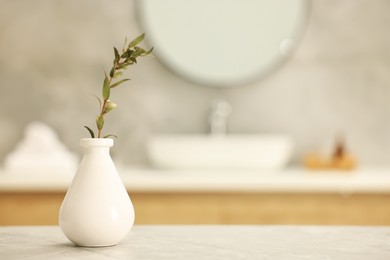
(40, 151)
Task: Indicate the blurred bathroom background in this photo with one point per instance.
(52, 56)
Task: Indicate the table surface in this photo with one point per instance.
(205, 242)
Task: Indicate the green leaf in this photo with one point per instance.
(122, 66)
(100, 102)
(112, 71)
(117, 57)
(138, 51)
(90, 131)
(100, 122)
(118, 74)
(125, 55)
(106, 88)
(136, 41)
(119, 82)
(109, 106)
(146, 53)
(131, 61)
(128, 53)
(110, 135)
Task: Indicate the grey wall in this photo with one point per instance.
(52, 54)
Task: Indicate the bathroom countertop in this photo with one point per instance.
(151, 180)
(205, 242)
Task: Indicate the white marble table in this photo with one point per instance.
(205, 242)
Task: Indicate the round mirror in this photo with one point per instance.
(222, 43)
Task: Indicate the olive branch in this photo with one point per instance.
(128, 57)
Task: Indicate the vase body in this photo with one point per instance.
(96, 210)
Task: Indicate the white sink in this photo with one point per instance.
(271, 152)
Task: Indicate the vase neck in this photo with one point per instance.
(99, 146)
(97, 151)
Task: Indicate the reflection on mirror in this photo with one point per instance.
(222, 43)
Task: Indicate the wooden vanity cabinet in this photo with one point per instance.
(41, 208)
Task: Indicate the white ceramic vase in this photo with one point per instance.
(97, 210)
